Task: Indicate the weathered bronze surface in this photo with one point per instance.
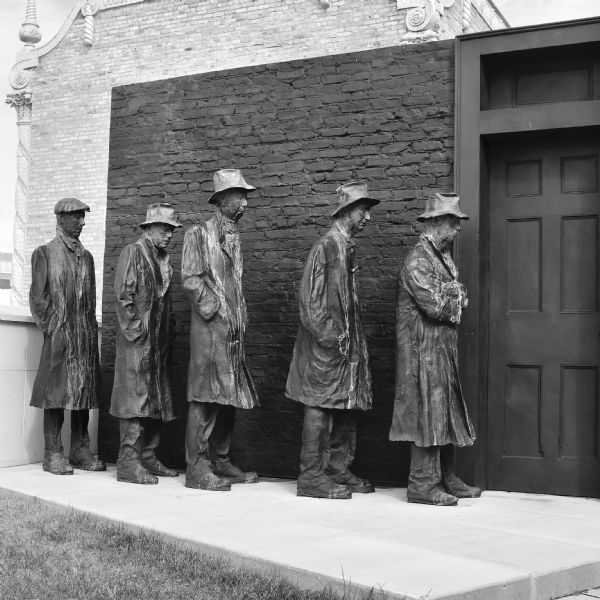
(63, 303)
(429, 408)
(329, 372)
(218, 379)
(141, 395)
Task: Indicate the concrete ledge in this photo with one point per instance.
(503, 546)
(20, 314)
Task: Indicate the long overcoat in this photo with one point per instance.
(144, 334)
(429, 408)
(211, 271)
(63, 304)
(330, 364)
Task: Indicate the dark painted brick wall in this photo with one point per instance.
(297, 130)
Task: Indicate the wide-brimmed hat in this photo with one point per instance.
(228, 179)
(352, 192)
(442, 204)
(161, 212)
(68, 205)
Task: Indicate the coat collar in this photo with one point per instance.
(444, 258)
(224, 226)
(343, 235)
(73, 244)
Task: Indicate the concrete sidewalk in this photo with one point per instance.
(502, 546)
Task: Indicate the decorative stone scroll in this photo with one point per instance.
(88, 10)
(423, 19)
(467, 16)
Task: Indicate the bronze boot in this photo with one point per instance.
(54, 460)
(150, 461)
(129, 464)
(80, 456)
(424, 480)
(314, 457)
(451, 482)
(226, 469)
(199, 476)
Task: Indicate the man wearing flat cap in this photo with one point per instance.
(218, 379)
(141, 395)
(429, 408)
(63, 304)
(329, 373)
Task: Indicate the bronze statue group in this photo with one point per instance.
(329, 372)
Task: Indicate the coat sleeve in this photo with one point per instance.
(314, 312)
(92, 287)
(437, 299)
(128, 316)
(40, 300)
(195, 275)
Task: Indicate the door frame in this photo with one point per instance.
(475, 127)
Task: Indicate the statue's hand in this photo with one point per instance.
(344, 344)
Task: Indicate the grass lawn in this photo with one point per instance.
(48, 554)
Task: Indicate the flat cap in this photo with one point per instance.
(68, 205)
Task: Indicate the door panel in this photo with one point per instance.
(544, 322)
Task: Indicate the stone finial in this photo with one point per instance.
(30, 33)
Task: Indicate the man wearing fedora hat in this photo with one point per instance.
(218, 379)
(63, 304)
(141, 394)
(329, 372)
(429, 409)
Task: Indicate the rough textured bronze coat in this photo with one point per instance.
(330, 364)
(429, 408)
(146, 329)
(63, 304)
(212, 278)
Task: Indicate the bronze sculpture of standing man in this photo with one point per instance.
(141, 394)
(63, 304)
(329, 372)
(218, 379)
(429, 408)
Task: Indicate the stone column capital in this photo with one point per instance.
(21, 101)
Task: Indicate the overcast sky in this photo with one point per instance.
(52, 13)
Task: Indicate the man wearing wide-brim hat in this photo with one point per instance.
(141, 394)
(329, 373)
(218, 379)
(429, 408)
(63, 304)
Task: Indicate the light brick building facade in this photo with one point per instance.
(62, 89)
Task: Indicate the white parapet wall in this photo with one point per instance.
(21, 431)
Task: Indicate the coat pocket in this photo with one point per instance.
(326, 368)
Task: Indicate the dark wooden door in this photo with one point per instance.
(543, 315)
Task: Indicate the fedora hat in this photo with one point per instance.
(442, 204)
(68, 205)
(228, 179)
(161, 212)
(352, 192)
